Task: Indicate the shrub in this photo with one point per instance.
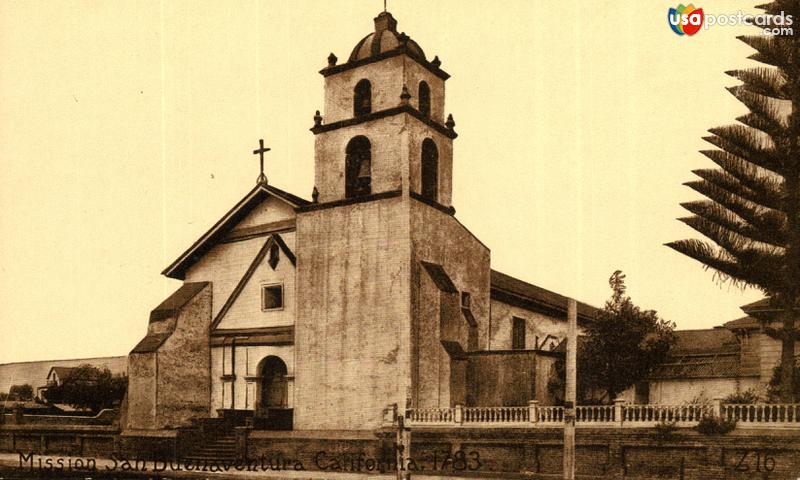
(710, 425)
(665, 430)
(20, 392)
(747, 397)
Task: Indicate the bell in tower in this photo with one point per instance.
(383, 257)
(383, 116)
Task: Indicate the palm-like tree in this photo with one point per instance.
(752, 210)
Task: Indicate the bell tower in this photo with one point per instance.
(383, 128)
(381, 259)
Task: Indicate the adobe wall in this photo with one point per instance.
(352, 329)
(184, 387)
(676, 392)
(142, 390)
(502, 379)
(440, 239)
(538, 326)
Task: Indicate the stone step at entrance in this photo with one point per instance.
(219, 445)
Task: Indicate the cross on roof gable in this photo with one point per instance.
(178, 268)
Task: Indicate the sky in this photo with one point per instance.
(127, 131)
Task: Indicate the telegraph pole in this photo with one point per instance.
(571, 390)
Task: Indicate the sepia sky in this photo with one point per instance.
(126, 131)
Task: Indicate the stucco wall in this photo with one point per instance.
(170, 385)
(770, 353)
(439, 238)
(675, 392)
(243, 389)
(537, 325)
(225, 264)
(502, 379)
(184, 387)
(387, 78)
(387, 138)
(417, 132)
(246, 311)
(352, 327)
(141, 412)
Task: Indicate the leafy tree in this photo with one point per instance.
(619, 348)
(20, 392)
(89, 387)
(623, 344)
(752, 214)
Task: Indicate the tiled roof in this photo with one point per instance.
(63, 372)
(744, 323)
(709, 353)
(173, 304)
(722, 365)
(706, 341)
(168, 308)
(512, 290)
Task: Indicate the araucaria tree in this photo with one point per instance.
(622, 345)
(752, 210)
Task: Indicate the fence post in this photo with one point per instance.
(619, 402)
(533, 411)
(459, 414)
(390, 415)
(716, 404)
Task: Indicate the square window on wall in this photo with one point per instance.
(272, 297)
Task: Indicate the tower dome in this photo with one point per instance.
(385, 39)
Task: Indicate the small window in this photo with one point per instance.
(430, 170)
(362, 98)
(424, 99)
(271, 297)
(518, 334)
(465, 300)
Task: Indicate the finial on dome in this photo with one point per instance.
(315, 195)
(385, 21)
(317, 119)
(405, 96)
(450, 123)
(332, 60)
(436, 62)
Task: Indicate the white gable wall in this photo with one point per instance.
(226, 263)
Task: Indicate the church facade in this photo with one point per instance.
(320, 314)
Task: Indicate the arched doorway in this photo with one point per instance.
(272, 408)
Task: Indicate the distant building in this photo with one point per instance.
(717, 362)
(38, 374)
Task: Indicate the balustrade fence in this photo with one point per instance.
(617, 415)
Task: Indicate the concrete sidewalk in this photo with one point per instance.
(58, 466)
